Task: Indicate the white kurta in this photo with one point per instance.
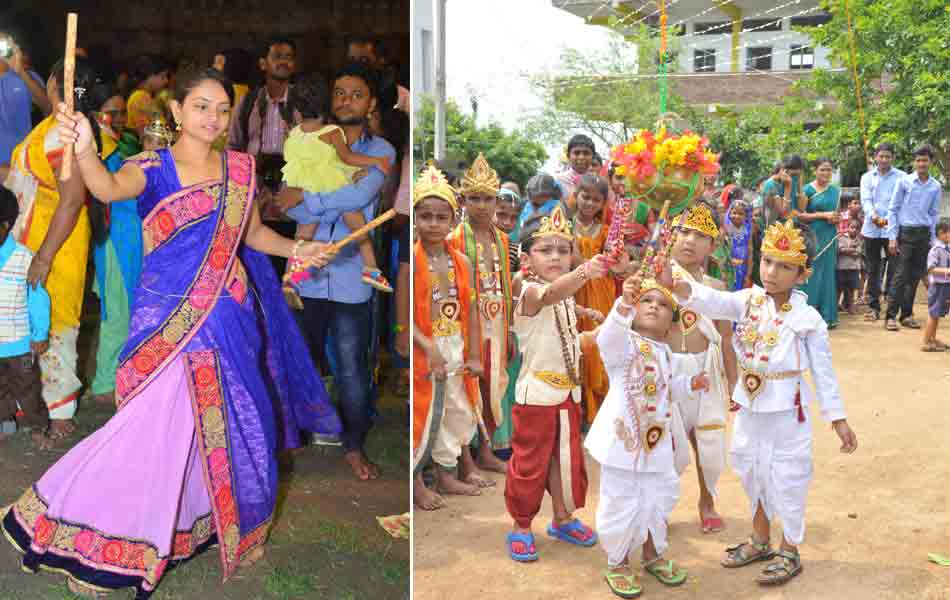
(702, 411)
(772, 449)
(458, 424)
(638, 489)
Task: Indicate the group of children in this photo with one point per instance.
(647, 358)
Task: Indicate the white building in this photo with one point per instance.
(423, 48)
(738, 52)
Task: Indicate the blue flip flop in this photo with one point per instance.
(565, 533)
(528, 540)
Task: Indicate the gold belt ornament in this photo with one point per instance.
(558, 381)
(754, 382)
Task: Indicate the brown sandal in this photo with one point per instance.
(787, 566)
(746, 553)
(932, 347)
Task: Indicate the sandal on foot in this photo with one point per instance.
(573, 532)
(871, 315)
(746, 553)
(374, 277)
(788, 565)
(666, 571)
(712, 525)
(527, 551)
(910, 323)
(931, 347)
(941, 345)
(631, 589)
(891, 325)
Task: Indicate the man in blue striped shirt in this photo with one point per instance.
(877, 188)
(911, 222)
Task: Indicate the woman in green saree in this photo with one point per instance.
(821, 214)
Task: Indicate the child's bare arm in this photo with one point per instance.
(349, 157)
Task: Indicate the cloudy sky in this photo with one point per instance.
(492, 44)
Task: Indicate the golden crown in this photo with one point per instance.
(433, 184)
(555, 224)
(699, 218)
(158, 129)
(784, 243)
(653, 284)
(480, 178)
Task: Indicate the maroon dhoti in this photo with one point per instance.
(543, 434)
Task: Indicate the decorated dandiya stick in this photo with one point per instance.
(69, 70)
(337, 246)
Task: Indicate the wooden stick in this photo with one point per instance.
(337, 246)
(69, 70)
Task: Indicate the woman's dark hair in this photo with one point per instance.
(9, 207)
(885, 147)
(188, 79)
(145, 66)
(793, 162)
(808, 234)
(395, 130)
(591, 181)
(778, 167)
(90, 92)
(942, 225)
(822, 160)
(310, 95)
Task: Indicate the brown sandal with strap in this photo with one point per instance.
(746, 553)
(787, 566)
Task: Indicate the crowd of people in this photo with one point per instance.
(208, 206)
(536, 337)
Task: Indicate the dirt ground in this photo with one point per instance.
(872, 516)
(325, 544)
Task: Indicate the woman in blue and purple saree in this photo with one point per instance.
(214, 380)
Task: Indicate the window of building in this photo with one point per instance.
(801, 57)
(712, 28)
(758, 59)
(704, 61)
(762, 24)
(810, 21)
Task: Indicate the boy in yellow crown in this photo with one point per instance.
(546, 451)
(486, 247)
(630, 436)
(778, 337)
(701, 345)
(446, 357)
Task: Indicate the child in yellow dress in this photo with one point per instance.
(319, 159)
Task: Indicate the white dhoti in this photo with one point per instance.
(495, 379)
(632, 505)
(772, 454)
(702, 412)
(458, 424)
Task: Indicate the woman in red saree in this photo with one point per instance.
(215, 378)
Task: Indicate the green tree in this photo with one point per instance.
(903, 63)
(515, 155)
(607, 94)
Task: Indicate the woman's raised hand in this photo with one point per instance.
(75, 129)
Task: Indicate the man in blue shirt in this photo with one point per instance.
(877, 188)
(336, 300)
(911, 222)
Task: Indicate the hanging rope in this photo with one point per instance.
(662, 56)
(857, 82)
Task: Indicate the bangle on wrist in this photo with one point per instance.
(397, 328)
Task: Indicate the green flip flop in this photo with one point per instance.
(666, 572)
(632, 587)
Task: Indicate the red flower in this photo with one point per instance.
(144, 361)
(43, 530)
(782, 244)
(112, 552)
(165, 222)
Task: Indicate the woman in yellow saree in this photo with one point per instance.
(60, 242)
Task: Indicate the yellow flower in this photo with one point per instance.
(637, 147)
(650, 389)
(770, 338)
(621, 170)
(749, 336)
(661, 134)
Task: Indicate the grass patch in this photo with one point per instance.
(289, 583)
